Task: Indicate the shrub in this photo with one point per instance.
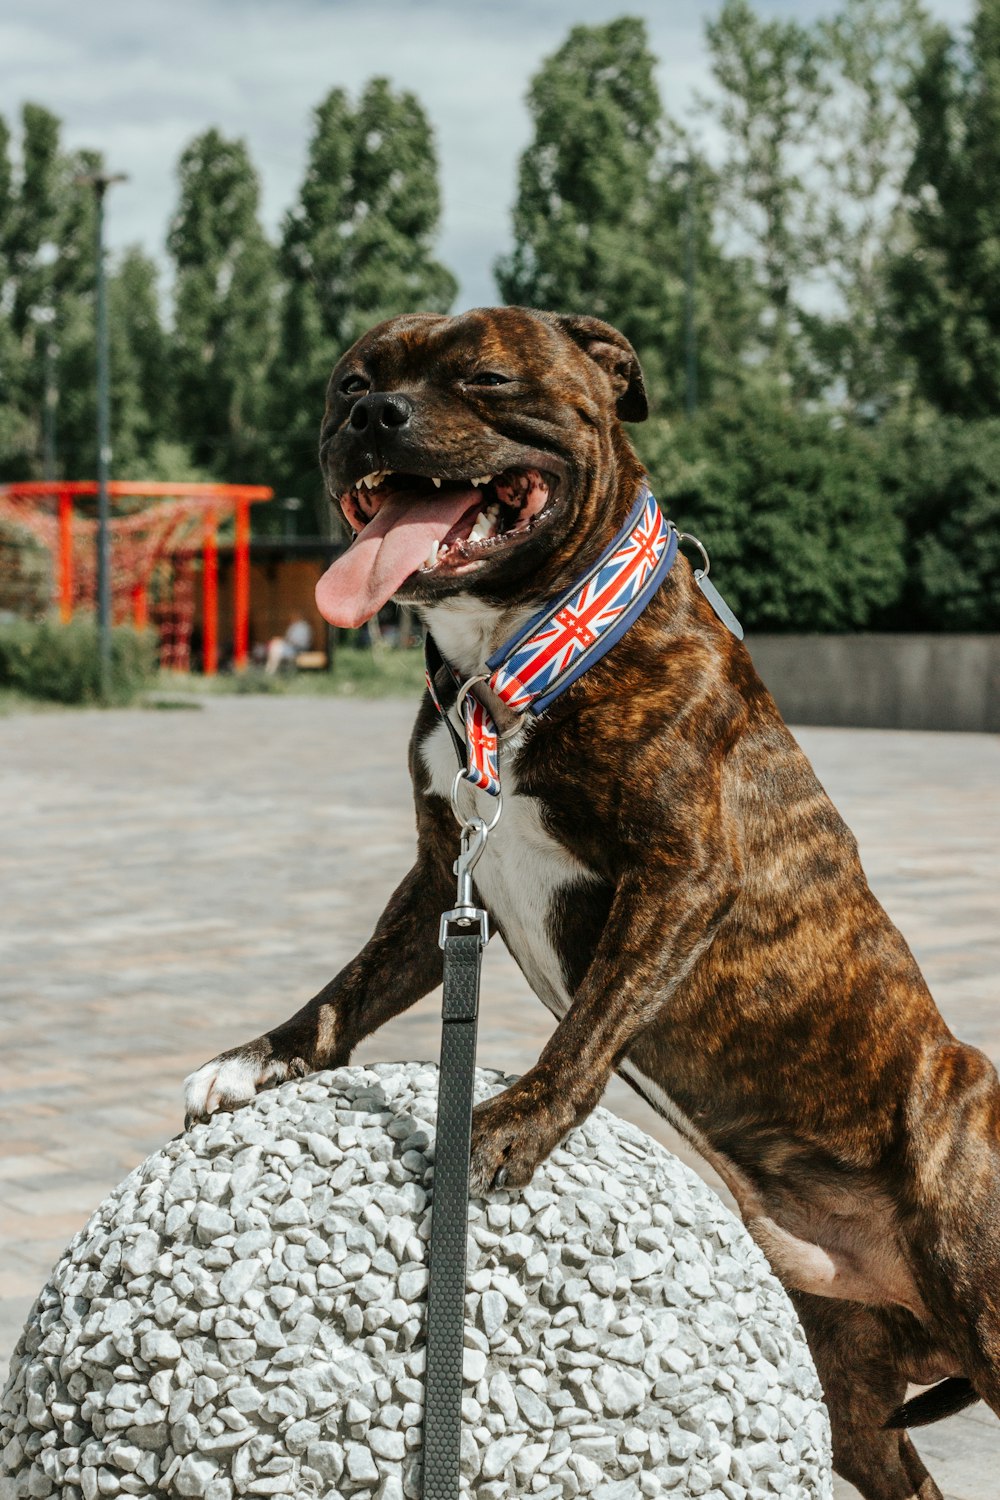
(48, 660)
(945, 474)
(25, 572)
(800, 528)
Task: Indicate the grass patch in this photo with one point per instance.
(379, 673)
(14, 702)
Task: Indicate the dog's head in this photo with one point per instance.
(480, 454)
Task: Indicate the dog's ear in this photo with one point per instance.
(616, 357)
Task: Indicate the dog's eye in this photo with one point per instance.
(352, 384)
(488, 377)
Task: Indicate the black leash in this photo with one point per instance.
(464, 935)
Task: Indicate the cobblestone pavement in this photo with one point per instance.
(173, 883)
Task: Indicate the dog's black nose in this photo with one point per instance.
(381, 409)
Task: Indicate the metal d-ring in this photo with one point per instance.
(464, 822)
(466, 689)
(685, 536)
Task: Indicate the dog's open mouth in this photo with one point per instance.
(406, 524)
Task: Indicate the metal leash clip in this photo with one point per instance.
(465, 915)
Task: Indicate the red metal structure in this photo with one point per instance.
(182, 518)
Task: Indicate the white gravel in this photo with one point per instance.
(244, 1315)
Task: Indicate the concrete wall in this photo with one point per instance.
(883, 681)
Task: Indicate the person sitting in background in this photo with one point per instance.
(283, 649)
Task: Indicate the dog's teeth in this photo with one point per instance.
(482, 481)
(484, 527)
(435, 481)
(430, 561)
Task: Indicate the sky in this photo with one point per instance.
(136, 79)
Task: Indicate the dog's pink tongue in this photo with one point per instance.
(381, 558)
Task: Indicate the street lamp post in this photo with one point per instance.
(100, 182)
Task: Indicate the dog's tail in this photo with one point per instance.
(942, 1400)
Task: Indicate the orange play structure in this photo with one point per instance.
(154, 548)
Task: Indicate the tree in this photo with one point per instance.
(357, 248)
(140, 385)
(47, 288)
(947, 288)
(599, 219)
(224, 308)
(31, 229)
(74, 295)
(15, 428)
(395, 209)
(869, 49)
(771, 89)
(802, 534)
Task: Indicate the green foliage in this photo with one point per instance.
(224, 299)
(869, 51)
(801, 533)
(140, 393)
(31, 229)
(167, 459)
(356, 248)
(947, 290)
(25, 572)
(770, 91)
(395, 208)
(600, 217)
(47, 273)
(944, 475)
(45, 659)
(845, 247)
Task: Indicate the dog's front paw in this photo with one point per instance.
(512, 1134)
(233, 1078)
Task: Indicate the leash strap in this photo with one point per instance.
(465, 931)
(449, 1217)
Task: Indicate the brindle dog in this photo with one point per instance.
(669, 874)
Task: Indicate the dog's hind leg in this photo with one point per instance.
(857, 1351)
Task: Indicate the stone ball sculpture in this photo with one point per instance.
(244, 1315)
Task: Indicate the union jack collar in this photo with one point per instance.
(564, 639)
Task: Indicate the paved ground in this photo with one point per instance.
(174, 882)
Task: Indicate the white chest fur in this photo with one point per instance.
(521, 870)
